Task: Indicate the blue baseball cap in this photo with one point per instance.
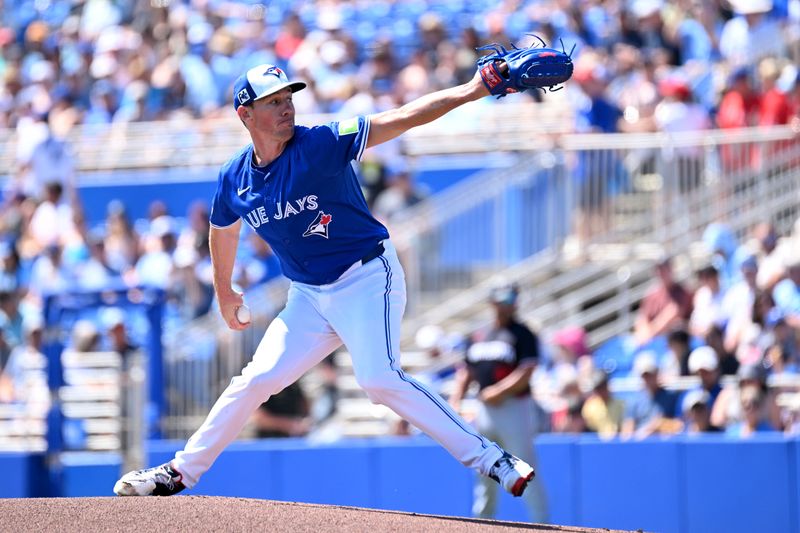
(504, 294)
(262, 81)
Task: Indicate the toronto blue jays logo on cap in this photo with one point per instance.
(262, 81)
(319, 226)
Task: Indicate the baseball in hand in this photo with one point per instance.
(243, 314)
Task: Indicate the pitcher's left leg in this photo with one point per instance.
(365, 311)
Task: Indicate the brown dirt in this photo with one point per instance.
(205, 513)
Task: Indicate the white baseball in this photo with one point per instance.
(243, 314)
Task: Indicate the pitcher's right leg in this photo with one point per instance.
(295, 341)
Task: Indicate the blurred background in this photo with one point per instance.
(649, 214)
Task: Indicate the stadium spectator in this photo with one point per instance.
(768, 254)
(24, 378)
(117, 338)
(666, 306)
(95, 272)
(573, 421)
(748, 332)
(53, 218)
(571, 344)
(727, 409)
(566, 400)
(715, 339)
(285, 414)
(121, 240)
(703, 363)
(10, 318)
(697, 34)
(602, 412)
(707, 302)
(326, 404)
(787, 292)
(11, 275)
(774, 109)
(261, 265)
(50, 161)
(155, 266)
(400, 194)
(782, 353)
(738, 108)
(741, 294)
(636, 89)
(652, 410)
(721, 244)
(696, 413)
(753, 420)
(675, 114)
(676, 361)
(751, 34)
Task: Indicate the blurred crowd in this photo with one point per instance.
(640, 64)
(718, 352)
(715, 351)
(46, 247)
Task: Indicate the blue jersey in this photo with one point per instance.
(307, 204)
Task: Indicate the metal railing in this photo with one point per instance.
(596, 209)
(201, 358)
(102, 400)
(188, 142)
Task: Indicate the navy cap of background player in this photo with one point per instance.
(506, 295)
(261, 81)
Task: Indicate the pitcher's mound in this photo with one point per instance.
(205, 513)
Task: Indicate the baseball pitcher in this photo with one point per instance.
(296, 188)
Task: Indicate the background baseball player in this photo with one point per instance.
(296, 187)
(501, 359)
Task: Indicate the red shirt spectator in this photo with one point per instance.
(739, 109)
(740, 106)
(774, 109)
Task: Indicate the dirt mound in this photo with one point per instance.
(204, 513)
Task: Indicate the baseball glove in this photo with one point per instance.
(520, 69)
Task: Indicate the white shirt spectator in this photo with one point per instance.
(707, 310)
(50, 222)
(742, 45)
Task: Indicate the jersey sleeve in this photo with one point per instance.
(222, 215)
(331, 147)
(527, 348)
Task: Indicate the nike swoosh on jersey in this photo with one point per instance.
(242, 191)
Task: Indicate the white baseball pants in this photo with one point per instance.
(362, 309)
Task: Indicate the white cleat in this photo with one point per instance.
(512, 473)
(158, 481)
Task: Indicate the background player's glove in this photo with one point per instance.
(520, 69)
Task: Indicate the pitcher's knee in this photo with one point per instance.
(380, 386)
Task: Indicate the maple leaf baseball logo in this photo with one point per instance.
(274, 71)
(319, 226)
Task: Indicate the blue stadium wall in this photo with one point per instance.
(708, 484)
(525, 216)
